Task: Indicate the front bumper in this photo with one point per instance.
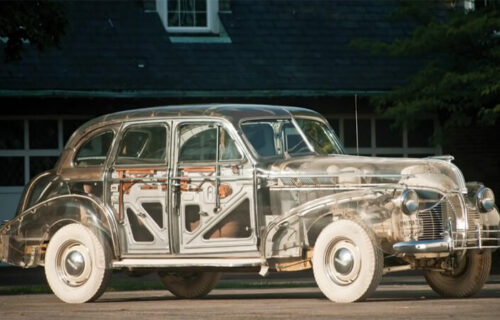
(424, 246)
(479, 238)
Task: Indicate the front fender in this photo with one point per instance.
(23, 239)
(287, 235)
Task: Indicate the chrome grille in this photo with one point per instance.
(472, 219)
(325, 180)
(467, 230)
(431, 223)
(287, 181)
(474, 227)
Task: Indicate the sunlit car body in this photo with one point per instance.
(190, 191)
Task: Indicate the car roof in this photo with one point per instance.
(234, 113)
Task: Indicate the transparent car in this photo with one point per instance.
(192, 191)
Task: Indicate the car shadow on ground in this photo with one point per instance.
(378, 296)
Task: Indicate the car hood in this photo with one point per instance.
(433, 172)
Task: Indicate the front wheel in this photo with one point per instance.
(466, 281)
(189, 285)
(347, 261)
(76, 265)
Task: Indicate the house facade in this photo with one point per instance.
(119, 55)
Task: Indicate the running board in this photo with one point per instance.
(188, 262)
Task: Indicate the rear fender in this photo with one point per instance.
(23, 239)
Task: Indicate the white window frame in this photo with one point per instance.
(10, 195)
(27, 152)
(213, 24)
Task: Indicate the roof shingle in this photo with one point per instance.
(275, 45)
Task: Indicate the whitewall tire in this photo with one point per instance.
(76, 265)
(347, 261)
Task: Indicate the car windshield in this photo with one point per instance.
(271, 138)
(320, 136)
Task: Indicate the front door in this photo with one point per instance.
(139, 188)
(213, 191)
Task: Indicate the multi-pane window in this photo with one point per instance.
(43, 134)
(28, 146)
(12, 171)
(380, 137)
(189, 16)
(363, 138)
(11, 134)
(31, 146)
(187, 13)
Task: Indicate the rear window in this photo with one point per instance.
(95, 150)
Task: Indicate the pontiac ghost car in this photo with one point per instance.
(192, 191)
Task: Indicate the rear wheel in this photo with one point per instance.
(76, 265)
(347, 261)
(469, 277)
(189, 285)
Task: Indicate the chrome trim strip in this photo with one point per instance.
(189, 262)
(275, 175)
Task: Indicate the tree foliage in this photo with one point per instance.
(41, 23)
(460, 79)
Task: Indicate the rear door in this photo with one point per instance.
(139, 188)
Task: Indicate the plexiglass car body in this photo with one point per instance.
(190, 191)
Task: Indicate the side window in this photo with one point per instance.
(142, 144)
(40, 186)
(198, 142)
(94, 151)
(228, 150)
(294, 144)
(261, 136)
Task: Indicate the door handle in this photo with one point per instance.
(203, 213)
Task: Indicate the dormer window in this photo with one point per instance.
(189, 16)
(475, 4)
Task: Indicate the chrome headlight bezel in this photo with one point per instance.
(409, 201)
(485, 199)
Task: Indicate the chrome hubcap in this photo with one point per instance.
(343, 262)
(73, 263)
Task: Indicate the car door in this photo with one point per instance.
(139, 188)
(213, 194)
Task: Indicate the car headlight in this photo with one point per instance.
(485, 199)
(409, 201)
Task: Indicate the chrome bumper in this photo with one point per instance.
(424, 246)
(461, 240)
